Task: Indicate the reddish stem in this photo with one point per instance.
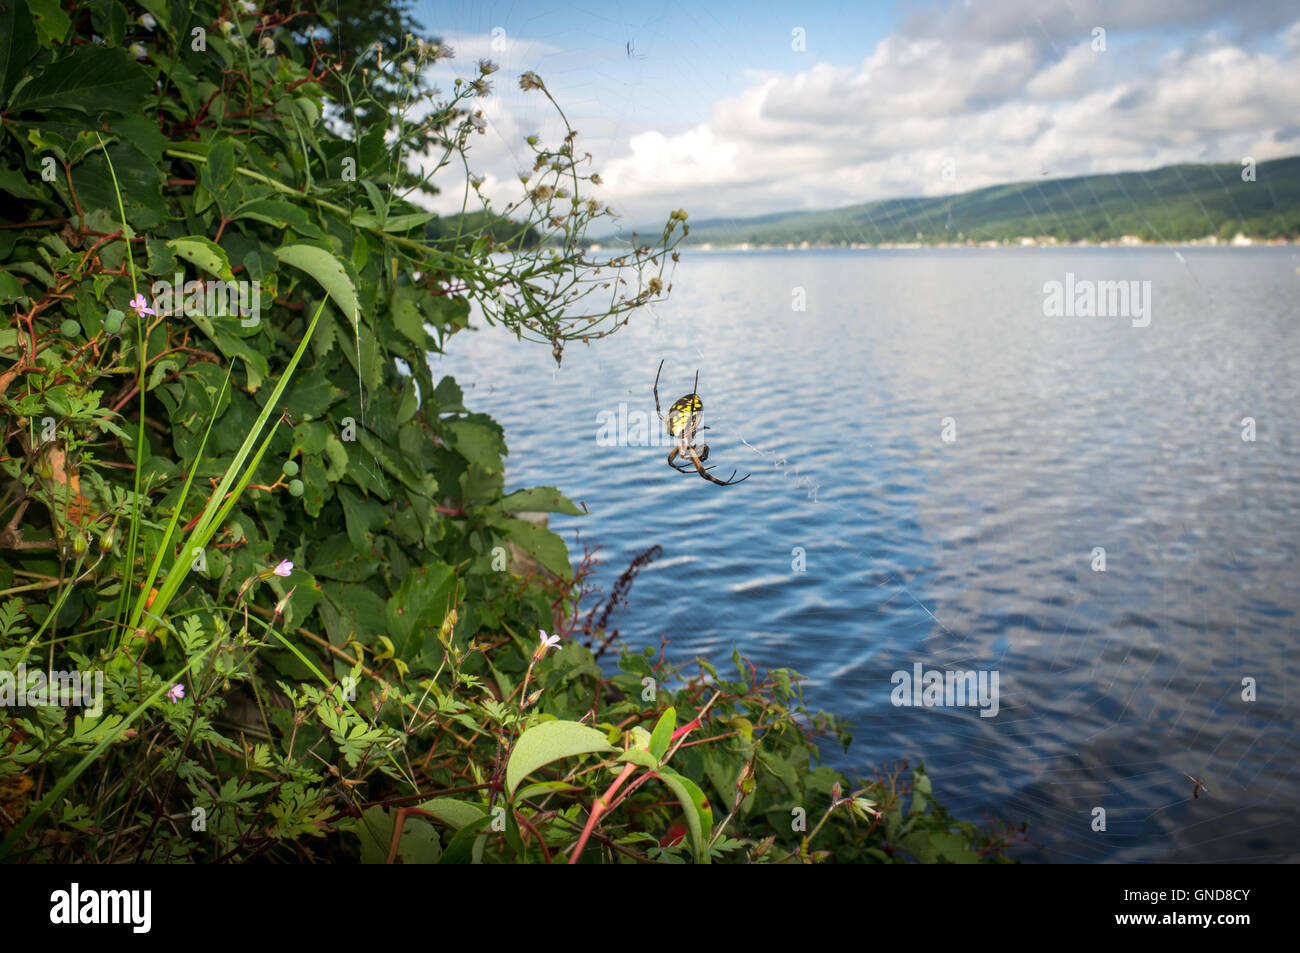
(598, 808)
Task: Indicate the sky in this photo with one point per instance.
(738, 109)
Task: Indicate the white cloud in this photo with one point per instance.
(1002, 109)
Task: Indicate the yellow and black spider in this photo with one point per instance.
(684, 419)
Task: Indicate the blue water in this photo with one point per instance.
(1071, 433)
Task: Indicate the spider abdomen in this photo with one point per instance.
(684, 415)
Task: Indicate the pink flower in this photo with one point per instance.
(176, 693)
(283, 569)
(547, 642)
(141, 305)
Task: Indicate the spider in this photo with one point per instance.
(684, 419)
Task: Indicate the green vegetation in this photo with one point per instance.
(1176, 203)
(244, 507)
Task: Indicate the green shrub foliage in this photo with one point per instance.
(234, 493)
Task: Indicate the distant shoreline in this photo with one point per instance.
(1128, 241)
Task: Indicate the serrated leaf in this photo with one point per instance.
(203, 253)
(539, 499)
(419, 605)
(477, 443)
(540, 543)
(49, 19)
(92, 79)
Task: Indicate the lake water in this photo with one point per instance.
(979, 552)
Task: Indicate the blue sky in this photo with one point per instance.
(683, 54)
(717, 112)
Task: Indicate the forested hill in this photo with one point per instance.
(1175, 203)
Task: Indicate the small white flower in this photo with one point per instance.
(247, 7)
(268, 45)
(408, 66)
(147, 21)
(548, 642)
(138, 51)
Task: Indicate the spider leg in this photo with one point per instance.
(657, 373)
(695, 388)
(672, 455)
(690, 451)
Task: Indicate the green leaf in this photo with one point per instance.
(219, 171)
(336, 459)
(547, 742)
(203, 253)
(783, 770)
(328, 271)
(280, 214)
(404, 223)
(539, 499)
(663, 732)
(477, 443)
(419, 843)
(545, 787)
(50, 20)
(463, 846)
(953, 848)
(540, 543)
(699, 815)
(395, 464)
(10, 288)
(407, 317)
(641, 757)
(419, 605)
(453, 812)
(449, 396)
(92, 80)
(17, 43)
(141, 132)
(359, 614)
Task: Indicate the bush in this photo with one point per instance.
(236, 498)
